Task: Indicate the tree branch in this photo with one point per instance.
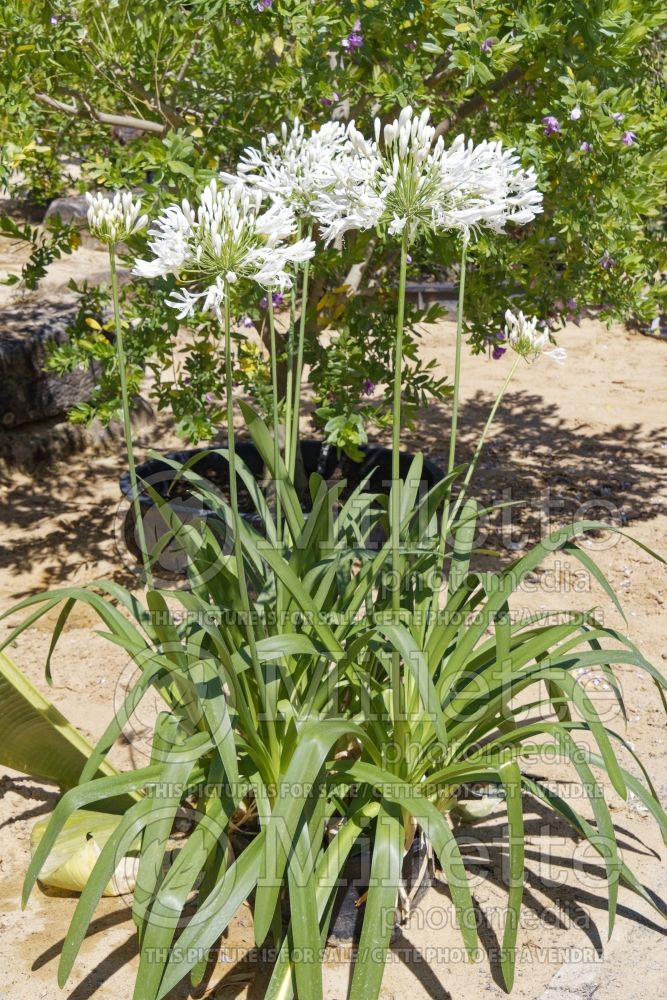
(83, 111)
(477, 102)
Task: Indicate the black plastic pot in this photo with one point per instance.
(349, 907)
(214, 467)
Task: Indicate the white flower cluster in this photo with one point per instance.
(225, 237)
(294, 166)
(406, 177)
(526, 340)
(112, 220)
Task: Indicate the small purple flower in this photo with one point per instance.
(618, 116)
(355, 39)
(498, 349)
(629, 138)
(412, 45)
(571, 303)
(585, 147)
(408, 258)
(606, 261)
(487, 44)
(210, 398)
(551, 125)
(247, 321)
(264, 4)
(328, 101)
(575, 113)
(368, 387)
(54, 20)
(276, 298)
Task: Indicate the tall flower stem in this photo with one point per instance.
(480, 444)
(127, 425)
(238, 543)
(289, 389)
(451, 457)
(274, 408)
(395, 509)
(298, 375)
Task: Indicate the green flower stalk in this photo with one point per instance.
(298, 373)
(112, 220)
(275, 412)
(451, 456)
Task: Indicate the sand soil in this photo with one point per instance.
(588, 438)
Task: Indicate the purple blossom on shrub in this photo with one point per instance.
(606, 261)
(629, 138)
(247, 320)
(487, 44)
(618, 116)
(210, 398)
(328, 101)
(264, 4)
(571, 303)
(277, 298)
(498, 349)
(355, 39)
(412, 45)
(585, 147)
(54, 20)
(551, 125)
(368, 387)
(575, 113)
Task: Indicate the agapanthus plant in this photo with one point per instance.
(319, 688)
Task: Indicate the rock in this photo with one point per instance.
(69, 209)
(27, 392)
(32, 447)
(74, 208)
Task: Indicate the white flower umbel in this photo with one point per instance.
(112, 220)
(406, 177)
(527, 341)
(485, 185)
(294, 166)
(225, 238)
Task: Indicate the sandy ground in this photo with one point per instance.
(590, 438)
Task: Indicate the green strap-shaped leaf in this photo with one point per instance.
(379, 908)
(263, 440)
(314, 743)
(76, 798)
(415, 661)
(304, 926)
(510, 775)
(36, 738)
(214, 916)
(584, 828)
